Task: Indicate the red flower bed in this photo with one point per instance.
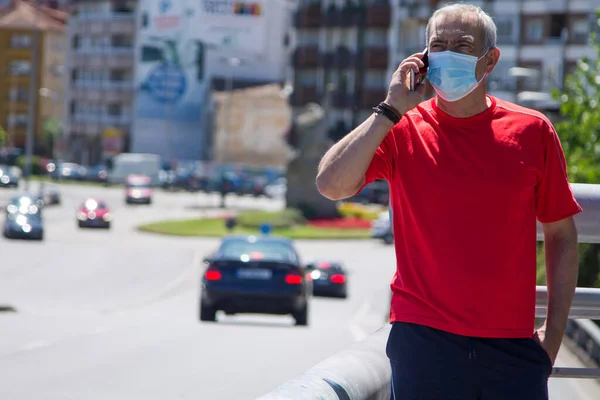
(341, 223)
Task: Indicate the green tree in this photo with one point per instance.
(3, 137)
(579, 131)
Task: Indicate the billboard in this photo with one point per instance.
(171, 75)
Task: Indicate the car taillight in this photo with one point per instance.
(213, 275)
(337, 278)
(293, 279)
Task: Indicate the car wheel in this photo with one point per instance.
(207, 314)
(343, 295)
(108, 225)
(301, 316)
(80, 224)
(388, 238)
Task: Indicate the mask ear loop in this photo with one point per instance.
(484, 73)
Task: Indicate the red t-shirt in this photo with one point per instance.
(465, 194)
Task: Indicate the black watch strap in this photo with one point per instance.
(388, 111)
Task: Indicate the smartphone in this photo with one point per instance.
(416, 80)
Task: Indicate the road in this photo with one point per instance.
(114, 314)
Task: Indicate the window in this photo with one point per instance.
(18, 94)
(375, 79)
(114, 109)
(506, 30)
(308, 37)
(376, 38)
(19, 67)
(534, 29)
(259, 250)
(580, 29)
(558, 26)
(20, 41)
(151, 54)
(306, 77)
(17, 120)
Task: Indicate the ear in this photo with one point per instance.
(491, 60)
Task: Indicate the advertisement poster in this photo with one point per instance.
(173, 39)
(171, 71)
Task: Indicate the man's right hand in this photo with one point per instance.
(399, 95)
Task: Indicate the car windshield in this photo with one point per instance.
(258, 250)
(139, 185)
(94, 205)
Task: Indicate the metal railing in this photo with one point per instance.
(362, 372)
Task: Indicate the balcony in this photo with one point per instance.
(303, 95)
(376, 57)
(327, 60)
(102, 119)
(344, 58)
(342, 100)
(351, 16)
(99, 60)
(306, 56)
(105, 50)
(108, 85)
(333, 17)
(310, 16)
(371, 97)
(378, 15)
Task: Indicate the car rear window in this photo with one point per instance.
(260, 250)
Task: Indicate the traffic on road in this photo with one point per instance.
(117, 313)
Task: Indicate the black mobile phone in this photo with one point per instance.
(416, 80)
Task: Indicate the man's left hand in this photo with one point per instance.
(547, 344)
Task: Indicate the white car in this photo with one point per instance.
(381, 228)
(277, 189)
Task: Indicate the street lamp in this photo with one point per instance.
(53, 97)
(233, 62)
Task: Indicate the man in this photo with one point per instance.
(468, 174)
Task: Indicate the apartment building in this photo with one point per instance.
(98, 108)
(19, 21)
(356, 45)
(347, 44)
(118, 47)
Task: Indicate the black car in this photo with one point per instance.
(23, 226)
(255, 274)
(329, 279)
(25, 204)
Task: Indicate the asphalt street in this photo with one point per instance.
(113, 314)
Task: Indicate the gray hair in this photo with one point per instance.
(486, 22)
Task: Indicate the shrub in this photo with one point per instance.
(354, 210)
(36, 165)
(277, 219)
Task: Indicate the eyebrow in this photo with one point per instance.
(464, 39)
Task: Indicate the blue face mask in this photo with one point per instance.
(452, 75)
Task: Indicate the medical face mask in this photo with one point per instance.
(452, 75)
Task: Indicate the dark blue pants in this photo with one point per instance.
(430, 364)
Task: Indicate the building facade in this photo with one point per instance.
(187, 49)
(357, 45)
(98, 108)
(120, 52)
(20, 23)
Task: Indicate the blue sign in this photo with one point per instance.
(166, 83)
(165, 5)
(265, 229)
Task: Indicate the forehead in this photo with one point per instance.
(455, 27)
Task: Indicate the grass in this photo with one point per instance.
(216, 228)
